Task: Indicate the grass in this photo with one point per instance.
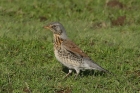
(27, 62)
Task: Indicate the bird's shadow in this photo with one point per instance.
(86, 72)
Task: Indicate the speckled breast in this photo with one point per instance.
(67, 58)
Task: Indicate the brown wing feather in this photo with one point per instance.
(72, 47)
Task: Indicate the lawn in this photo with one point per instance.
(108, 31)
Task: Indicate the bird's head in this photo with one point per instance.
(57, 28)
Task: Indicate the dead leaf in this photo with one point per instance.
(119, 21)
(42, 18)
(64, 90)
(99, 25)
(137, 72)
(25, 89)
(115, 3)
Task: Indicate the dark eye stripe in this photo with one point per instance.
(53, 26)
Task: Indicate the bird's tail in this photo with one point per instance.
(95, 66)
(98, 67)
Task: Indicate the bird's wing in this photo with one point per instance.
(73, 48)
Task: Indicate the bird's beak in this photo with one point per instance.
(47, 27)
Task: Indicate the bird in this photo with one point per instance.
(68, 53)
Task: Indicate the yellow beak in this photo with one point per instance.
(47, 27)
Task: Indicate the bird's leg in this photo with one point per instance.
(77, 73)
(70, 71)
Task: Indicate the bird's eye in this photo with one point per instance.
(54, 26)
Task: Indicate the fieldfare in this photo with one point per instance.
(68, 53)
